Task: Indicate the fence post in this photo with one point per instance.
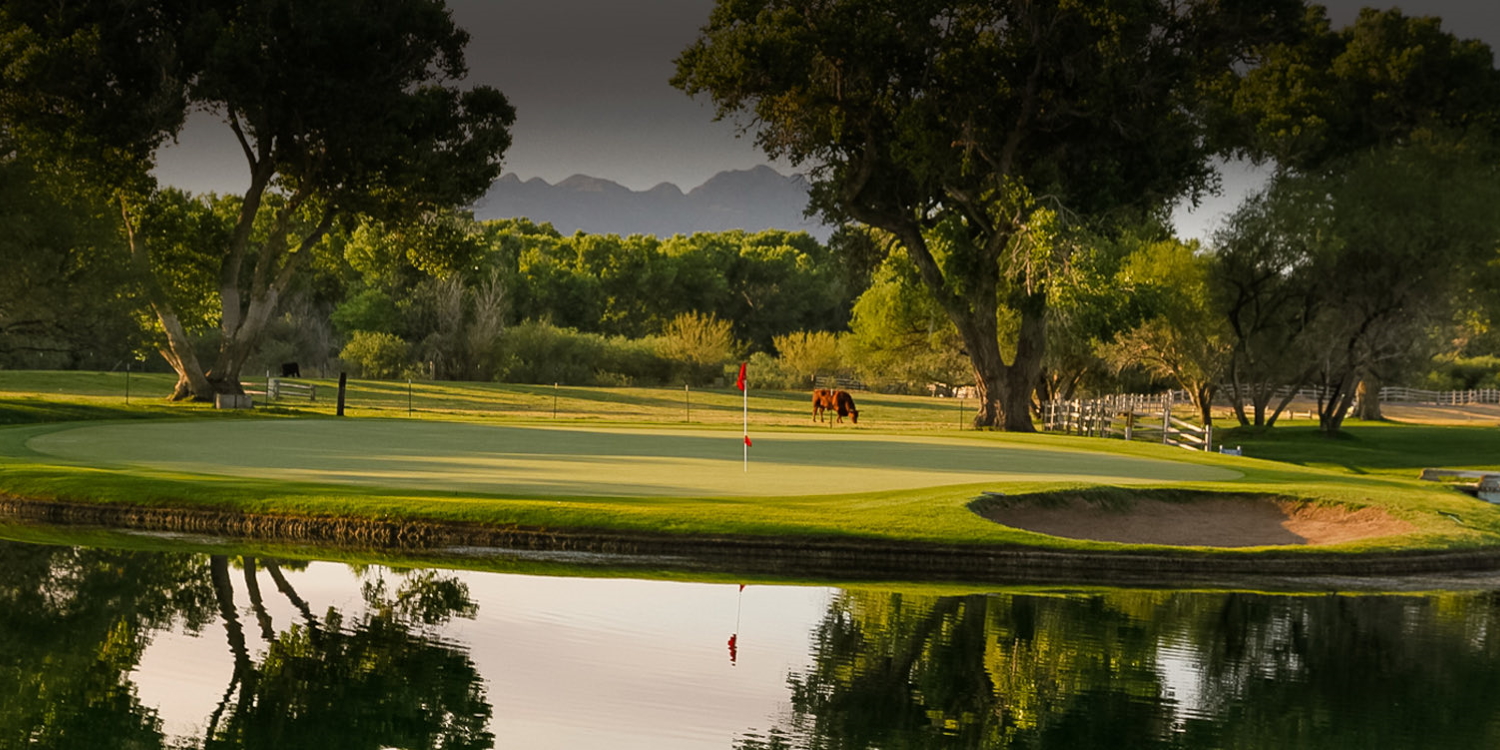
(1208, 437)
(1166, 417)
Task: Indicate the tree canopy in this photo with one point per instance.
(972, 131)
(340, 109)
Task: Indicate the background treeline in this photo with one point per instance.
(1369, 257)
(1263, 304)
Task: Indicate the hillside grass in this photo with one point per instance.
(1376, 465)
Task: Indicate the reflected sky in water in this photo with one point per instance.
(101, 648)
(568, 662)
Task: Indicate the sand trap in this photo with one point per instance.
(1208, 522)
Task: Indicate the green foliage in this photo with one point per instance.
(1341, 275)
(1451, 373)
(699, 343)
(376, 355)
(977, 132)
(766, 284)
(343, 110)
(900, 334)
(67, 292)
(805, 355)
(1385, 80)
(765, 372)
(368, 310)
(1187, 341)
(539, 352)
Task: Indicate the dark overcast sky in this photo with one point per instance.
(589, 82)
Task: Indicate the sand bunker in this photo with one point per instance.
(1235, 521)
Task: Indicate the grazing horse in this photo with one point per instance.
(844, 403)
(839, 402)
(822, 401)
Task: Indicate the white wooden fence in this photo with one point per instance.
(1129, 417)
(280, 388)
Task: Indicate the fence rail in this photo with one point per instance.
(1140, 417)
(273, 389)
(1398, 394)
(1394, 394)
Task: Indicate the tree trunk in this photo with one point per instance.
(1369, 398)
(1331, 411)
(178, 351)
(990, 390)
(1203, 398)
(1025, 370)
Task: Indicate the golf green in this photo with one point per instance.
(587, 461)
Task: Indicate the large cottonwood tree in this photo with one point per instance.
(1324, 107)
(340, 108)
(965, 128)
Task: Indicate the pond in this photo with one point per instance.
(103, 648)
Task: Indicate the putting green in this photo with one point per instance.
(587, 461)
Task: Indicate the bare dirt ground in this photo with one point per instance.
(1210, 522)
(1474, 415)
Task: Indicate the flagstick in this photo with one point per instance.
(746, 392)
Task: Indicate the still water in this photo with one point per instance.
(109, 649)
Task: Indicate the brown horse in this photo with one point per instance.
(839, 402)
(822, 401)
(844, 404)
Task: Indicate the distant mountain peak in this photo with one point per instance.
(750, 199)
(586, 184)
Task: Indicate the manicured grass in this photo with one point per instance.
(1375, 447)
(37, 396)
(587, 460)
(394, 468)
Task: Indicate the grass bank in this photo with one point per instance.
(1375, 467)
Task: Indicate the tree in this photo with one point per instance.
(340, 109)
(65, 296)
(1318, 98)
(1267, 301)
(1187, 340)
(805, 354)
(1318, 104)
(702, 343)
(1407, 228)
(899, 333)
(971, 130)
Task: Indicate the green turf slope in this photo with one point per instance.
(589, 461)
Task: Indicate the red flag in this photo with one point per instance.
(747, 441)
(739, 383)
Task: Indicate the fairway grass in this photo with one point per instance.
(907, 480)
(533, 460)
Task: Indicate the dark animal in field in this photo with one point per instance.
(844, 403)
(839, 402)
(290, 370)
(822, 401)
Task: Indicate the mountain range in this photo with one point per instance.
(749, 199)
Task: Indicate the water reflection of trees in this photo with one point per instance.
(74, 623)
(1148, 670)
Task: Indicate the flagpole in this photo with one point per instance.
(746, 392)
(744, 387)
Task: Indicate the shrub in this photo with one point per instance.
(375, 355)
(539, 352)
(766, 372)
(1463, 373)
(805, 355)
(700, 345)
